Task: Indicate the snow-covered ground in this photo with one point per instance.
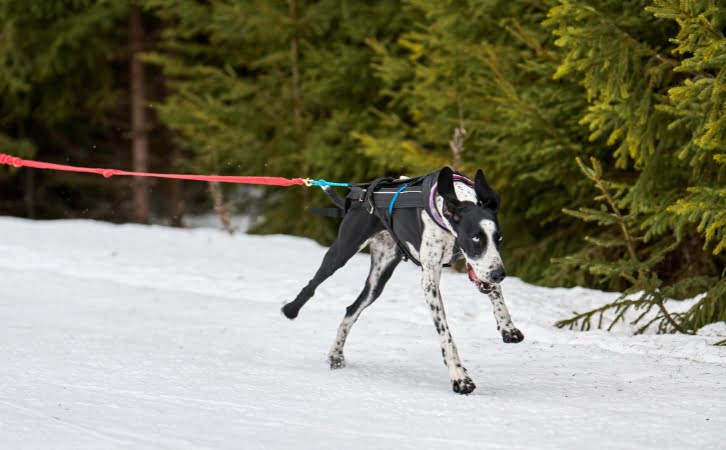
(149, 337)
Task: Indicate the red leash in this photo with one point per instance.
(274, 181)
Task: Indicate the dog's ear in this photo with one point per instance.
(488, 198)
(452, 205)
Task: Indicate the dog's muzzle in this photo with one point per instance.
(483, 286)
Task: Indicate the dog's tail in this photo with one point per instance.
(337, 199)
(337, 212)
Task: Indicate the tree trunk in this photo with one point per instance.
(176, 194)
(30, 185)
(220, 207)
(139, 126)
(29, 197)
(457, 147)
(178, 204)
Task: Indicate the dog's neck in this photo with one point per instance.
(464, 192)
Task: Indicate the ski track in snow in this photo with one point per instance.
(149, 337)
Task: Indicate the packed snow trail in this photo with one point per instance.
(149, 337)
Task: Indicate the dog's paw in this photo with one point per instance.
(512, 336)
(336, 362)
(289, 310)
(463, 386)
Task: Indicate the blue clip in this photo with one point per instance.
(324, 183)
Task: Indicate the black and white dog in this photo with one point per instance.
(466, 227)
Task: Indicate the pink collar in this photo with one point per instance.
(432, 200)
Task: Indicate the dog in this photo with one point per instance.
(462, 223)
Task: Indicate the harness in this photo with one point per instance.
(383, 196)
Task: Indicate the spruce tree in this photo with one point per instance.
(273, 88)
(51, 57)
(630, 256)
(55, 77)
(65, 90)
(487, 66)
(661, 106)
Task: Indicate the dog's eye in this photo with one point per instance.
(476, 239)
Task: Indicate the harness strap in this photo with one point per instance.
(395, 196)
(407, 255)
(370, 192)
(336, 213)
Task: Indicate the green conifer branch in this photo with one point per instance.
(646, 280)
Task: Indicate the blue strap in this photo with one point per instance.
(323, 183)
(395, 196)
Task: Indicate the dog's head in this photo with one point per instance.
(475, 227)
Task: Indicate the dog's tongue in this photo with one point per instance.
(472, 275)
(482, 286)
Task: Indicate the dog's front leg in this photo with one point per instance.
(510, 333)
(460, 380)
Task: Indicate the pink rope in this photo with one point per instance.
(272, 181)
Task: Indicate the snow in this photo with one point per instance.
(140, 337)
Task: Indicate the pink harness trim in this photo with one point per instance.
(432, 200)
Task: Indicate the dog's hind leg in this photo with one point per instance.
(385, 257)
(356, 229)
(510, 333)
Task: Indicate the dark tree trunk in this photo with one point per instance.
(30, 185)
(29, 197)
(176, 194)
(139, 125)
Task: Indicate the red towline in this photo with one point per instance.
(273, 181)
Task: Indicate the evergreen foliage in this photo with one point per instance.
(56, 87)
(487, 66)
(665, 115)
(698, 106)
(633, 259)
(51, 53)
(273, 87)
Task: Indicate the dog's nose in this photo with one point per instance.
(498, 275)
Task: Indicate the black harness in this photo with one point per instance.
(383, 196)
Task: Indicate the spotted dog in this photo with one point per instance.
(461, 222)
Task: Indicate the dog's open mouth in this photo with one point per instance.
(483, 286)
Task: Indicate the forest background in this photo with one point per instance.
(602, 123)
